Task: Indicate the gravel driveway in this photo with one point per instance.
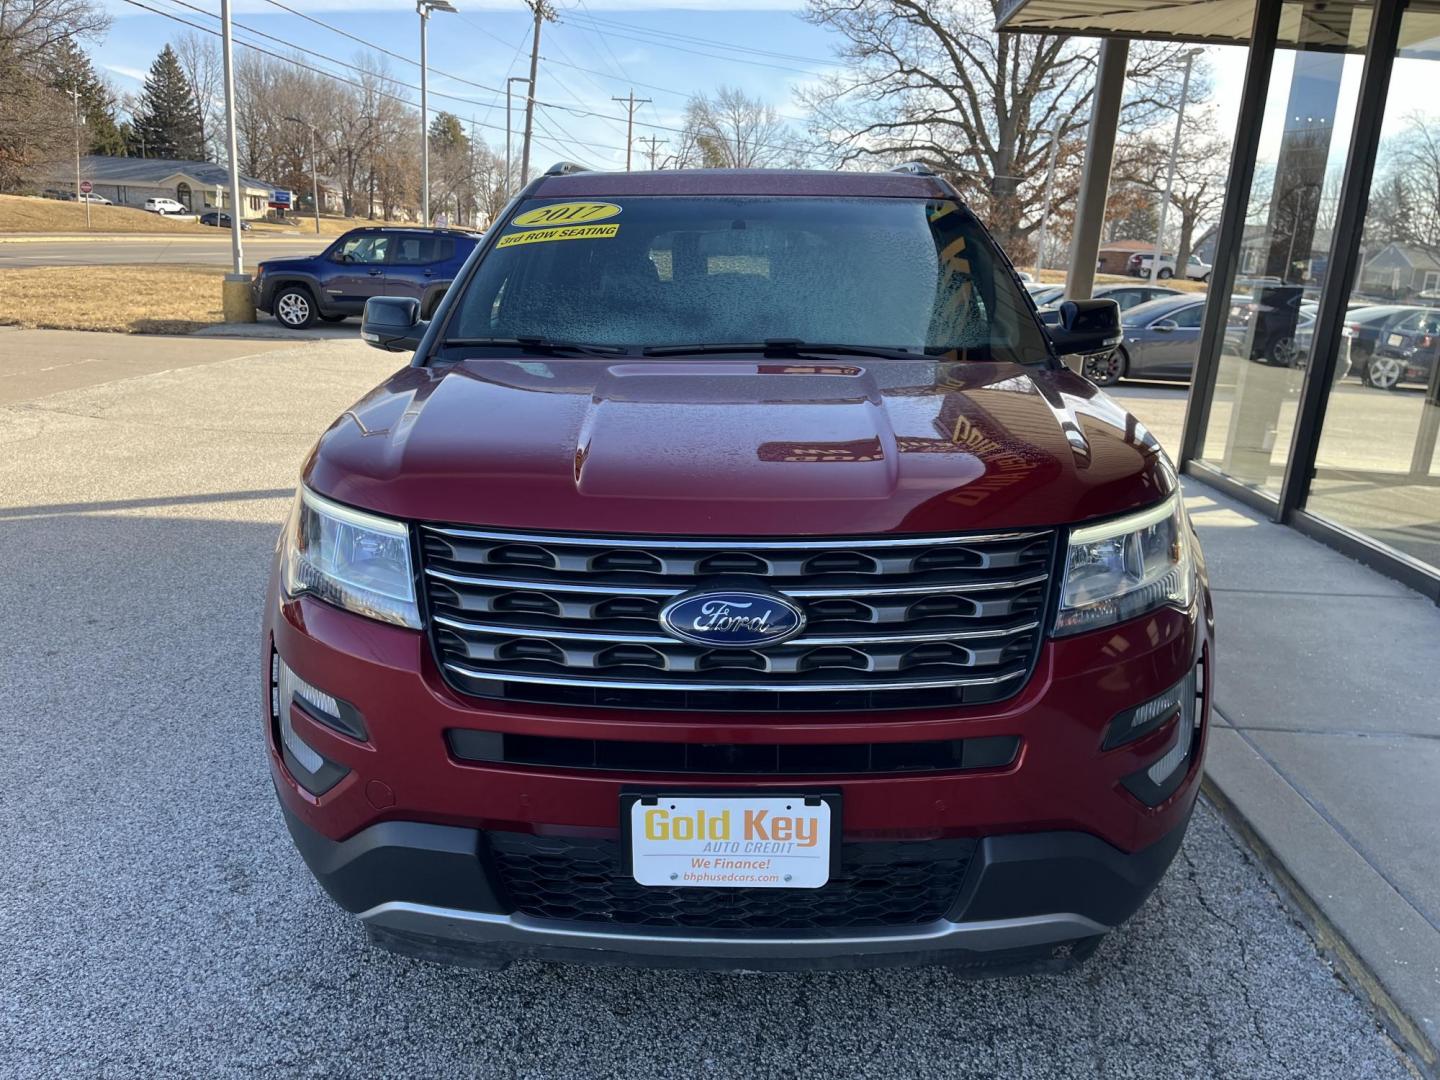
(156, 921)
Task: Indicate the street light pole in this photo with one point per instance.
(1049, 198)
(82, 196)
(509, 125)
(1170, 173)
(423, 8)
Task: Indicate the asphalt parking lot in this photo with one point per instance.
(157, 922)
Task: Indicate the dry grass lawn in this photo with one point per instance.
(128, 299)
(1058, 277)
(26, 214)
(20, 213)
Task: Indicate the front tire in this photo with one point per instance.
(1109, 369)
(295, 307)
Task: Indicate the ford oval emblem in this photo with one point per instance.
(732, 620)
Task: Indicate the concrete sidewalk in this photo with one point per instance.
(1325, 750)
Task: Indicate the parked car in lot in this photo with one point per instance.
(1365, 327)
(1125, 296)
(1044, 293)
(735, 576)
(220, 219)
(1138, 265)
(1161, 341)
(93, 199)
(166, 206)
(372, 261)
(1405, 353)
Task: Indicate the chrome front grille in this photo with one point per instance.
(890, 622)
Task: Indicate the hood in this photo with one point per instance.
(290, 262)
(740, 448)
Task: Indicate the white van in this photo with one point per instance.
(165, 206)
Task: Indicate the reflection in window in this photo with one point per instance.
(1309, 113)
(1376, 471)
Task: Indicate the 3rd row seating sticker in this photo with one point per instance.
(563, 232)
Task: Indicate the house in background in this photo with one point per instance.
(1400, 271)
(1114, 257)
(198, 185)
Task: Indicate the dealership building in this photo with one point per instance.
(1336, 116)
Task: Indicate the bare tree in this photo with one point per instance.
(1198, 190)
(30, 30)
(930, 80)
(200, 61)
(734, 131)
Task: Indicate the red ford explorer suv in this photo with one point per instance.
(737, 577)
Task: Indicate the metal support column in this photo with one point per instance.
(1344, 261)
(1232, 226)
(1099, 156)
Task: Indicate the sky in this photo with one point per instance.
(598, 49)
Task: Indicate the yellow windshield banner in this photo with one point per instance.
(566, 213)
(566, 232)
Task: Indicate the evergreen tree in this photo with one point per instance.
(71, 73)
(168, 119)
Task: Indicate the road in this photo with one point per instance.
(158, 923)
(170, 250)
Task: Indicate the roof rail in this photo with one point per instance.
(914, 168)
(565, 168)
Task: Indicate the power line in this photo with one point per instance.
(710, 42)
(378, 48)
(711, 55)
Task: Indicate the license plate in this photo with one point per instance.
(1397, 339)
(731, 842)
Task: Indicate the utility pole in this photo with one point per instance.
(630, 102)
(79, 195)
(543, 13)
(509, 126)
(1049, 198)
(423, 8)
(655, 143)
(1170, 173)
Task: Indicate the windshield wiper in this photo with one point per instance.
(538, 344)
(780, 347)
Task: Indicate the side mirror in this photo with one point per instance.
(1086, 326)
(1165, 326)
(392, 323)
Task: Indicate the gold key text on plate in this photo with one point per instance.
(566, 213)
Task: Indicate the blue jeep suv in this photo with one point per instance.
(378, 261)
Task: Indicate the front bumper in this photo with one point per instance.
(1028, 901)
(1062, 850)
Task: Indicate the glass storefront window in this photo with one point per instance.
(1376, 468)
(1305, 133)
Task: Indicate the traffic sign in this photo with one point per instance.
(86, 186)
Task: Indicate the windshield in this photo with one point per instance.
(654, 272)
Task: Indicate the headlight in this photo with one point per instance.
(356, 561)
(1124, 568)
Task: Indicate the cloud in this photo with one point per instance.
(126, 72)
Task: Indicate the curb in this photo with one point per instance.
(1329, 939)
